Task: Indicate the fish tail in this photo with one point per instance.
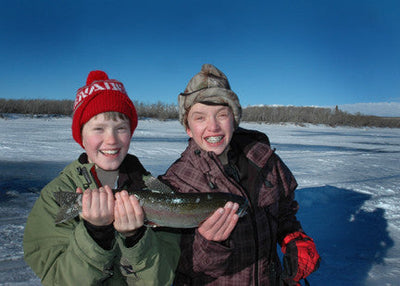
(156, 185)
(69, 206)
(65, 214)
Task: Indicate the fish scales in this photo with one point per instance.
(162, 207)
(184, 210)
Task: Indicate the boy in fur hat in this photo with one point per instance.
(221, 157)
(108, 244)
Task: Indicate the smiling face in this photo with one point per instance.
(106, 141)
(211, 126)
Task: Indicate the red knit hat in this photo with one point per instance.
(100, 94)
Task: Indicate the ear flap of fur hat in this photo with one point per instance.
(209, 86)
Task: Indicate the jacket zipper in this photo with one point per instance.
(252, 214)
(82, 171)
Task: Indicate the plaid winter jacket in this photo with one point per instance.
(249, 256)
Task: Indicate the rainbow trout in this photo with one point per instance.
(162, 206)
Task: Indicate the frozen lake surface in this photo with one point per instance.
(349, 183)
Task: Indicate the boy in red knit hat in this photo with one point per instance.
(108, 244)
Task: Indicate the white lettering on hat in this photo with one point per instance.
(97, 86)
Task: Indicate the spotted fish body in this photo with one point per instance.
(162, 206)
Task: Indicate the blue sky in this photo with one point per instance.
(296, 52)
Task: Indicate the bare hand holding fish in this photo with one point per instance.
(219, 225)
(128, 213)
(97, 206)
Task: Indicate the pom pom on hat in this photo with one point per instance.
(209, 86)
(100, 94)
(96, 75)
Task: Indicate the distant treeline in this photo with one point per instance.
(261, 114)
(316, 115)
(64, 107)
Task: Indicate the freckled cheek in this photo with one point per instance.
(91, 143)
(126, 140)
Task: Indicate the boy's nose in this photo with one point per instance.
(213, 124)
(111, 137)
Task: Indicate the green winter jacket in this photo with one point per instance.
(66, 254)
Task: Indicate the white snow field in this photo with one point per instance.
(349, 183)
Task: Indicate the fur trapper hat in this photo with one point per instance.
(210, 86)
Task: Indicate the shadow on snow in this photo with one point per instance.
(26, 177)
(349, 239)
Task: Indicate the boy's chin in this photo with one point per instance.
(217, 151)
(108, 167)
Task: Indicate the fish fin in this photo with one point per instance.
(150, 224)
(154, 184)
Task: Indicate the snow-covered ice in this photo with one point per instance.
(349, 183)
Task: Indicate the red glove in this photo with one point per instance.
(300, 257)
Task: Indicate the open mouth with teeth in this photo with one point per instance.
(109, 152)
(214, 139)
